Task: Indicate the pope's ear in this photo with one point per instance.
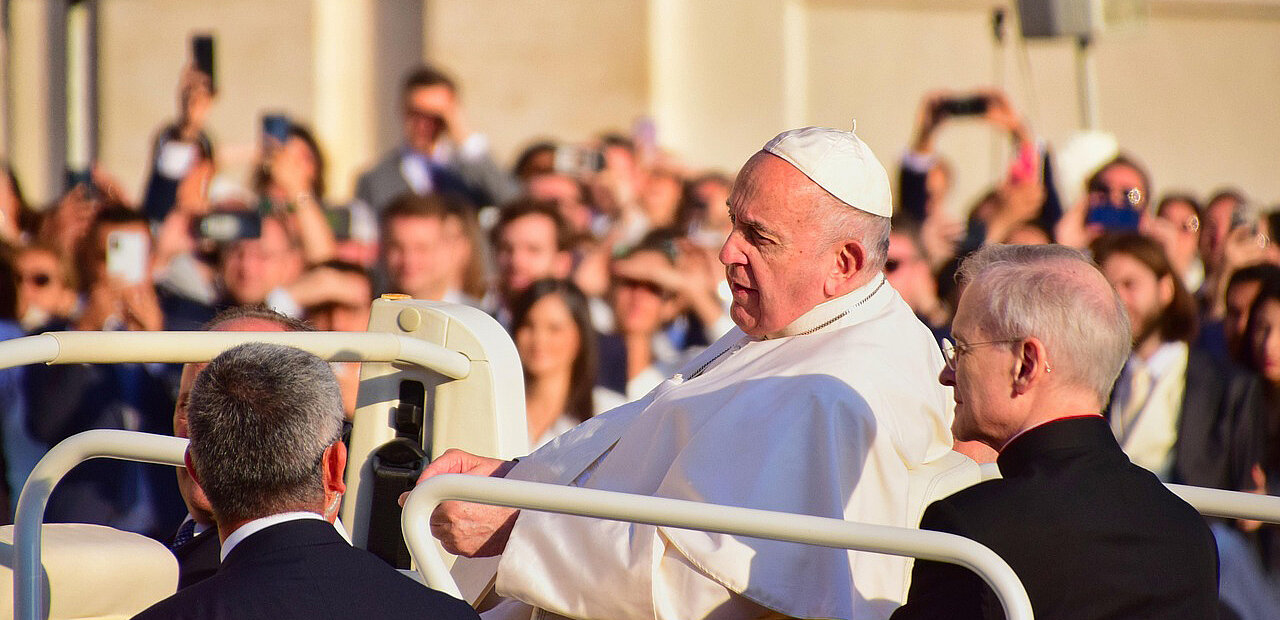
(849, 260)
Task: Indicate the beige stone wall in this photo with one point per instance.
(1192, 93)
(543, 68)
(264, 62)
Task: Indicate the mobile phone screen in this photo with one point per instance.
(127, 255)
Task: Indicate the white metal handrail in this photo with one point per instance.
(1206, 501)
(937, 546)
(184, 347)
(27, 577)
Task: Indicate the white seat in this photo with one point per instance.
(93, 572)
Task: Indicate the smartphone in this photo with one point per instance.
(1244, 216)
(577, 160)
(965, 106)
(202, 55)
(127, 254)
(229, 226)
(276, 126)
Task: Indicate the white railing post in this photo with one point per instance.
(27, 576)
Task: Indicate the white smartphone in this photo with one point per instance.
(127, 255)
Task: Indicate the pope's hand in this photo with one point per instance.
(464, 528)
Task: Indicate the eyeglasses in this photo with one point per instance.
(951, 350)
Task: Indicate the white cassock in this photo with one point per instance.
(826, 418)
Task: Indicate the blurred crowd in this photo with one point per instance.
(600, 258)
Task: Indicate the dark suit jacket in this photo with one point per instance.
(198, 558)
(1090, 535)
(1220, 428)
(305, 570)
(480, 183)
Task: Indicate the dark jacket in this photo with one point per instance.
(304, 570)
(1090, 535)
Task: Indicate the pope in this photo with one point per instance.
(822, 401)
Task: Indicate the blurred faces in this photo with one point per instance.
(567, 194)
(1180, 233)
(775, 264)
(907, 271)
(641, 307)
(527, 251)
(43, 291)
(251, 268)
(425, 109)
(340, 315)
(1217, 226)
(1266, 340)
(1145, 296)
(1119, 178)
(419, 256)
(1239, 298)
(548, 341)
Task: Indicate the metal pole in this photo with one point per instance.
(1087, 83)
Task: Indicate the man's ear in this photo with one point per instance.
(334, 463)
(191, 468)
(1031, 365)
(850, 259)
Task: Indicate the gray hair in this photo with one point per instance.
(845, 222)
(261, 416)
(1044, 291)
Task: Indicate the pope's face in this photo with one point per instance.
(776, 259)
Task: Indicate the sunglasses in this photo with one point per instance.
(40, 280)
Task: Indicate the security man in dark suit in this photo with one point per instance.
(265, 427)
(1039, 339)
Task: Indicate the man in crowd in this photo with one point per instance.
(820, 402)
(266, 427)
(196, 544)
(530, 242)
(907, 268)
(1175, 410)
(257, 270)
(440, 153)
(1040, 338)
(417, 252)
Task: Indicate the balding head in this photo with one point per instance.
(1056, 294)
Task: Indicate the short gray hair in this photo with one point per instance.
(1039, 290)
(844, 222)
(261, 416)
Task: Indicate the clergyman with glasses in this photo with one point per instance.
(1039, 338)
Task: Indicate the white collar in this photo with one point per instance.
(832, 310)
(257, 525)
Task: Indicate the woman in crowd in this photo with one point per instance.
(1251, 565)
(291, 180)
(558, 352)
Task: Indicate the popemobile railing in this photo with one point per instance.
(666, 512)
(186, 347)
